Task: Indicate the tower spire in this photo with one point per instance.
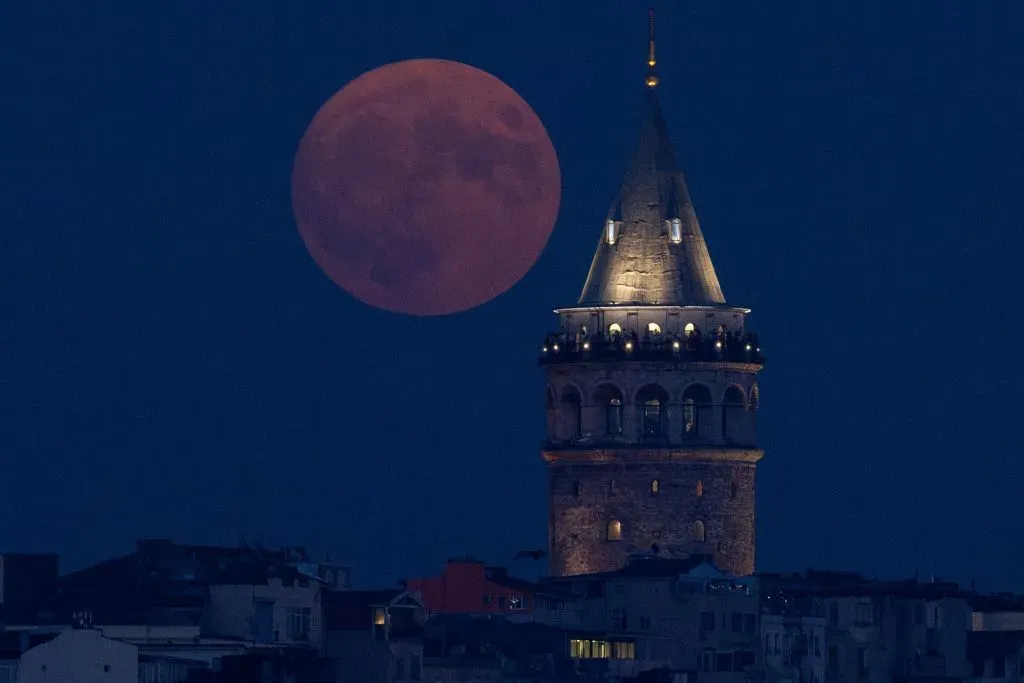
(652, 77)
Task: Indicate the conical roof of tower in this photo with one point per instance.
(644, 265)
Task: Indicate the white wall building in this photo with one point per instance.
(80, 656)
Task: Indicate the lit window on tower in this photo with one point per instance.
(654, 328)
(614, 329)
(655, 486)
(610, 229)
(675, 231)
(698, 532)
(615, 530)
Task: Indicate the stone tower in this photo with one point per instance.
(651, 386)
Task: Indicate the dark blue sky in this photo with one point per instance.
(174, 364)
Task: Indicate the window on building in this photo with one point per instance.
(737, 622)
(380, 616)
(706, 661)
(655, 486)
(675, 231)
(610, 231)
(743, 659)
(865, 614)
(700, 488)
(615, 530)
(614, 329)
(833, 657)
(723, 661)
(516, 602)
(733, 404)
(502, 602)
(299, 622)
(978, 667)
(862, 662)
(624, 650)
(833, 614)
(572, 411)
(575, 489)
(999, 667)
(749, 623)
(611, 487)
(698, 532)
(707, 621)
(689, 329)
(609, 396)
(654, 329)
(732, 489)
(617, 618)
(696, 402)
(487, 599)
(652, 400)
(645, 623)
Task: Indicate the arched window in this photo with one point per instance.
(696, 403)
(615, 530)
(733, 489)
(655, 486)
(700, 488)
(732, 407)
(609, 398)
(698, 532)
(614, 329)
(689, 329)
(572, 412)
(755, 398)
(654, 328)
(652, 403)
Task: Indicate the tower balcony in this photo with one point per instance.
(559, 348)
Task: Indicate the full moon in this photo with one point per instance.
(425, 187)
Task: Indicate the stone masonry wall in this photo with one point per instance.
(590, 489)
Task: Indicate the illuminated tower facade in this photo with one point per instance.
(652, 392)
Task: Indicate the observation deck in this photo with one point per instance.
(559, 349)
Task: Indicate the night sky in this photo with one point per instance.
(175, 365)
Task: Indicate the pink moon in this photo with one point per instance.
(425, 187)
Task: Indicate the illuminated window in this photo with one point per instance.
(624, 650)
(755, 398)
(675, 230)
(379, 616)
(698, 531)
(610, 229)
(654, 328)
(689, 329)
(614, 329)
(655, 486)
(700, 488)
(615, 530)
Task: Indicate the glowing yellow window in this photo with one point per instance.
(615, 530)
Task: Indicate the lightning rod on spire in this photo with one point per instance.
(652, 77)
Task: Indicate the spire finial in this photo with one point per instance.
(652, 78)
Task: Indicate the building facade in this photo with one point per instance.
(651, 386)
